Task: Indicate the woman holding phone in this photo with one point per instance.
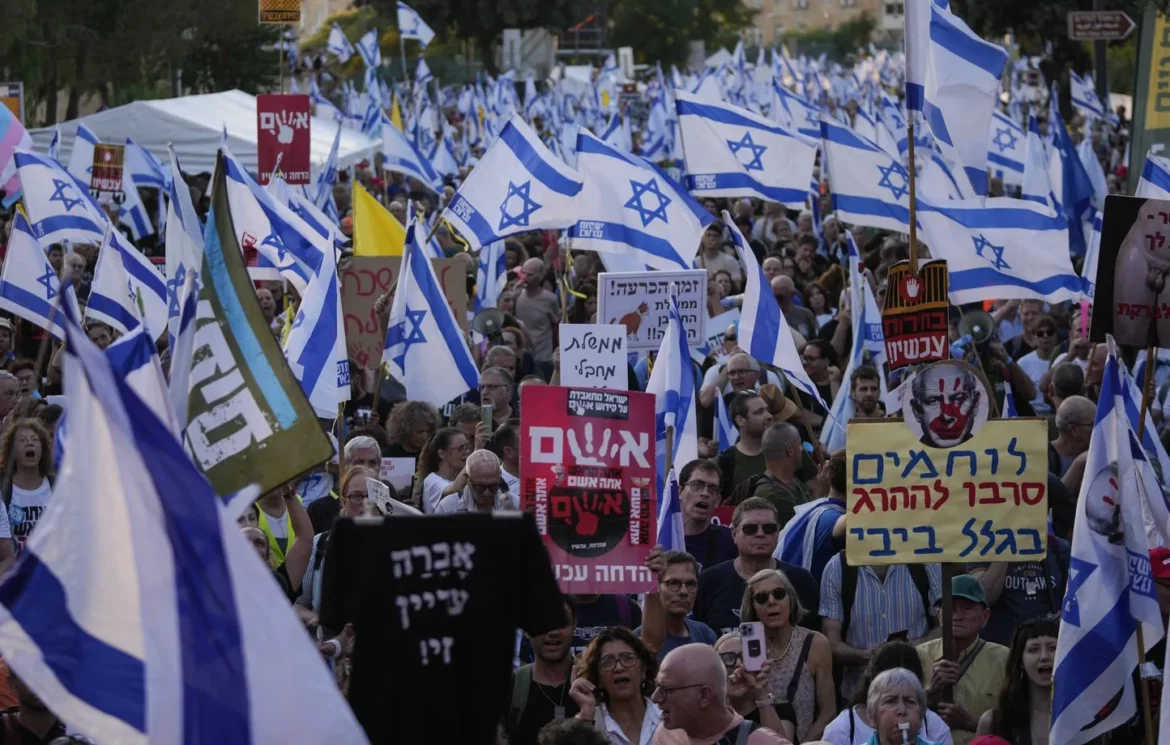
(801, 670)
(749, 692)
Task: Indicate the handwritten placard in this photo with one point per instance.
(984, 500)
(717, 330)
(594, 355)
(397, 472)
(639, 301)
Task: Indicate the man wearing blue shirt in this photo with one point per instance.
(665, 622)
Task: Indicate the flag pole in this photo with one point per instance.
(913, 196)
(1147, 396)
(669, 450)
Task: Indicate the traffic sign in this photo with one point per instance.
(1099, 25)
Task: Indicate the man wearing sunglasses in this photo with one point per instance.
(755, 526)
(1039, 361)
(483, 492)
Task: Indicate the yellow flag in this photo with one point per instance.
(375, 231)
(396, 113)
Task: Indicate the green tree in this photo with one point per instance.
(656, 29)
(718, 22)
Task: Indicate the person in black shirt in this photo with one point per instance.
(410, 426)
(540, 691)
(31, 722)
(710, 544)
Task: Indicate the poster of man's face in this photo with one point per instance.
(947, 405)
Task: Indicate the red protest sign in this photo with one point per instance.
(916, 314)
(282, 130)
(587, 473)
(106, 176)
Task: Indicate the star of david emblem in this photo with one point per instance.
(813, 118)
(174, 285)
(46, 281)
(299, 319)
(426, 141)
(890, 177)
(274, 240)
(1079, 572)
(746, 143)
(527, 206)
(636, 203)
(59, 195)
(982, 243)
(397, 335)
(999, 141)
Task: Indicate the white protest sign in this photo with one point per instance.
(397, 472)
(387, 505)
(639, 301)
(593, 355)
(717, 327)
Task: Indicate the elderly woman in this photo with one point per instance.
(801, 662)
(617, 674)
(746, 689)
(896, 705)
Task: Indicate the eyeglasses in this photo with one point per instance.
(807, 358)
(667, 690)
(777, 593)
(753, 528)
(490, 386)
(674, 585)
(1045, 332)
(460, 448)
(484, 487)
(730, 659)
(356, 497)
(730, 337)
(739, 372)
(627, 660)
(702, 487)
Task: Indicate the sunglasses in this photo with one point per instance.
(753, 528)
(777, 593)
(1045, 331)
(730, 659)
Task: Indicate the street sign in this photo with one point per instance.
(280, 12)
(1099, 25)
(12, 96)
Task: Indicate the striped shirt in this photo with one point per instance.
(879, 608)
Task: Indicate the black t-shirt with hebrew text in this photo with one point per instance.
(435, 603)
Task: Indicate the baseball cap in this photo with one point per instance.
(1160, 562)
(967, 587)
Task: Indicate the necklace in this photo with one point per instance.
(786, 647)
(559, 705)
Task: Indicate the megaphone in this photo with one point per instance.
(489, 322)
(978, 325)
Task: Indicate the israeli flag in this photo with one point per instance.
(146, 171)
(425, 348)
(1037, 184)
(731, 152)
(422, 73)
(55, 143)
(491, 276)
(184, 247)
(59, 206)
(726, 431)
(328, 175)
(869, 186)
(1009, 401)
(1094, 171)
(1092, 258)
(133, 358)
(1005, 153)
(183, 352)
(443, 158)
(1074, 190)
(339, 44)
(798, 538)
(315, 347)
(132, 212)
(1084, 98)
(672, 381)
(369, 49)
(1003, 248)
(670, 518)
(81, 157)
(763, 332)
(630, 206)
(127, 289)
(412, 26)
(1155, 178)
(1110, 588)
(541, 192)
(401, 155)
(163, 673)
(29, 287)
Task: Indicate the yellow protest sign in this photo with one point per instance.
(983, 500)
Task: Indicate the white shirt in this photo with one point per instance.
(837, 732)
(613, 731)
(767, 376)
(462, 502)
(513, 482)
(1035, 367)
(24, 511)
(432, 493)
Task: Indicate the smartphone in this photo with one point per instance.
(485, 414)
(755, 647)
(899, 636)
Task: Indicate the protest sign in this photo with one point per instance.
(282, 130)
(587, 474)
(12, 96)
(983, 501)
(280, 12)
(106, 176)
(397, 472)
(946, 404)
(717, 330)
(914, 319)
(366, 278)
(639, 301)
(1132, 293)
(594, 355)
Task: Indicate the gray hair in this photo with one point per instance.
(502, 374)
(5, 375)
(483, 458)
(776, 439)
(752, 363)
(1075, 410)
(363, 443)
(747, 611)
(498, 351)
(893, 680)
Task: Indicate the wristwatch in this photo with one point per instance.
(766, 701)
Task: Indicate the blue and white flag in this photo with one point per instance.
(339, 44)
(1084, 98)
(81, 156)
(127, 288)
(672, 381)
(134, 358)
(1009, 402)
(1155, 178)
(869, 186)
(422, 73)
(670, 518)
(137, 610)
(322, 107)
(55, 143)
(1094, 171)
(402, 156)
(29, 287)
(1003, 248)
(412, 26)
(146, 171)
(518, 186)
(1037, 183)
(630, 206)
(725, 430)
(1005, 155)
(798, 538)
(132, 212)
(731, 152)
(184, 245)
(425, 348)
(1092, 257)
(1110, 587)
(1074, 190)
(59, 207)
(369, 48)
(443, 157)
(315, 347)
(183, 351)
(763, 332)
(491, 276)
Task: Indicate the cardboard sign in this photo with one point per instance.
(12, 96)
(914, 319)
(587, 465)
(280, 12)
(639, 301)
(717, 329)
(366, 278)
(985, 500)
(1132, 294)
(397, 472)
(107, 168)
(282, 130)
(594, 355)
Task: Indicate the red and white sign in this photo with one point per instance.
(282, 131)
(587, 474)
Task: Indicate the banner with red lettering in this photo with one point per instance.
(587, 473)
(282, 130)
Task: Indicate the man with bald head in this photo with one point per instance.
(483, 492)
(772, 267)
(800, 319)
(782, 449)
(540, 311)
(691, 694)
(1074, 428)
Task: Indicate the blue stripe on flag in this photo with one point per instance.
(978, 178)
(973, 279)
(724, 116)
(98, 673)
(999, 160)
(318, 350)
(915, 95)
(1094, 653)
(618, 233)
(113, 309)
(452, 336)
(938, 123)
(744, 181)
(972, 51)
(870, 206)
(1155, 175)
(837, 134)
(535, 165)
(131, 355)
(474, 221)
(33, 303)
(65, 222)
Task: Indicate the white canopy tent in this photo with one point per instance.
(195, 125)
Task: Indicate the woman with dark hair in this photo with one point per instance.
(440, 467)
(584, 308)
(26, 462)
(853, 726)
(615, 679)
(411, 425)
(816, 299)
(1023, 714)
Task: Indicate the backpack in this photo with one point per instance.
(521, 686)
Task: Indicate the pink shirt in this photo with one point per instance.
(762, 736)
